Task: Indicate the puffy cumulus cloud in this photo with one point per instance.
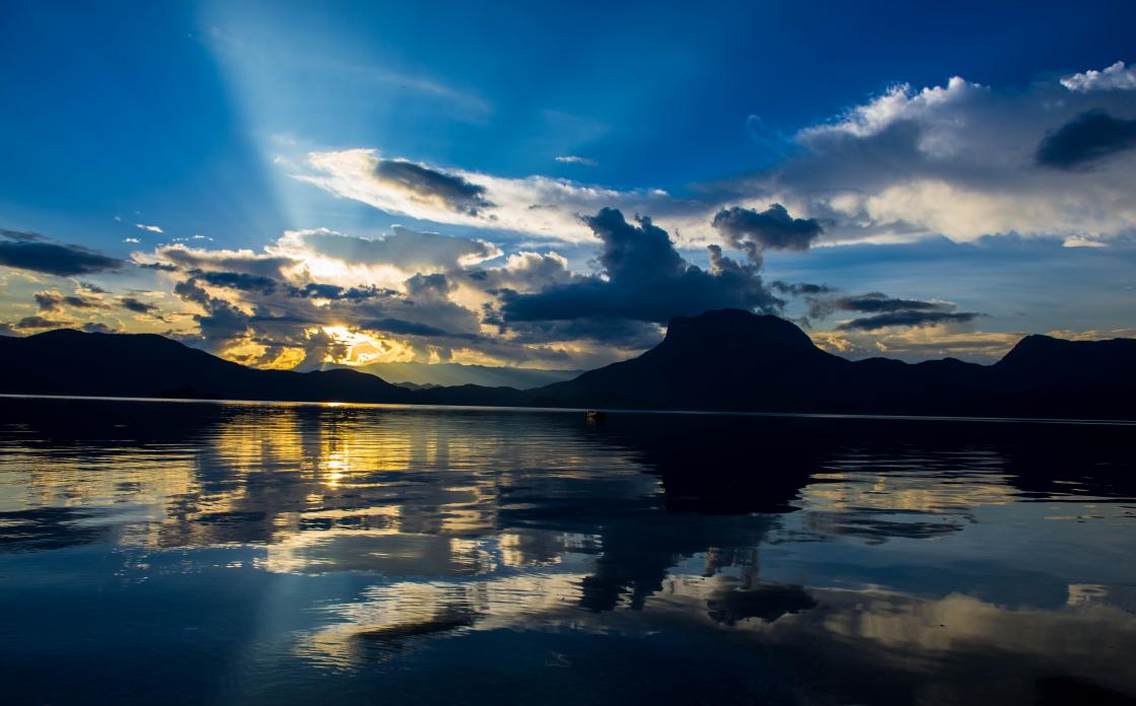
(643, 279)
(524, 271)
(959, 160)
(36, 253)
(1086, 139)
(754, 231)
(899, 104)
(540, 206)
(962, 160)
(1117, 77)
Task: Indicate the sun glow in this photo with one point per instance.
(365, 348)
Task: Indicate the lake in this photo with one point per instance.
(271, 553)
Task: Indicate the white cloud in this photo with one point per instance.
(540, 206)
(575, 159)
(152, 229)
(1116, 77)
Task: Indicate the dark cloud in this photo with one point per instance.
(907, 318)
(34, 322)
(96, 327)
(771, 229)
(429, 184)
(221, 321)
(20, 235)
(242, 281)
(1089, 137)
(54, 301)
(136, 305)
(316, 290)
(174, 257)
(159, 266)
(436, 285)
(31, 251)
(877, 302)
(644, 279)
(884, 311)
(622, 333)
(405, 328)
(800, 289)
(92, 288)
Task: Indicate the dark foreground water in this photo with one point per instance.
(190, 553)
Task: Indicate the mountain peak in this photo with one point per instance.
(733, 328)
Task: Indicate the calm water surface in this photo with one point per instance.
(174, 552)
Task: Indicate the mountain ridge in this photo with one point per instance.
(725, 360)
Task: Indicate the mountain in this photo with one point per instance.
(66, 362)
(736, 360)
(720, 360)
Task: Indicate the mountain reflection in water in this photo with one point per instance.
(247, 553)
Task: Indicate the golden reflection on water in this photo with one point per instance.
(465, 522)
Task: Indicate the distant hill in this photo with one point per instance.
(719, 360)
(416, 375)
(66, 362)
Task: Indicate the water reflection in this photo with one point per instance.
(894, 558)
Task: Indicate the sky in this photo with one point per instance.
(293, 185)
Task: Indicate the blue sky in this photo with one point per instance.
(234, 122)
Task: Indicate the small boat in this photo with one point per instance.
(594, 416)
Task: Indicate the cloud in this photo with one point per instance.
(131, 240)
(899, 103)
(907, 318)
(773, 229)
(407, 250)
(38, 322)
(1116, 77)
(242, 281)
(575, 159)
(643, 279)
(1088, 138)
(31, 251)
(876, 302)
(55, 301)
(959, 160)
(884, 311)
(799, 289)
(524, 271)
(409, 328)
(152, 229)
(540, 206)
(172, 257)
(136, 305)
(431, 186)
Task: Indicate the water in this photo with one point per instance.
(191, 553)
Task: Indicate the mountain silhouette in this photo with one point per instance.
(67, 362)
(728, 360)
